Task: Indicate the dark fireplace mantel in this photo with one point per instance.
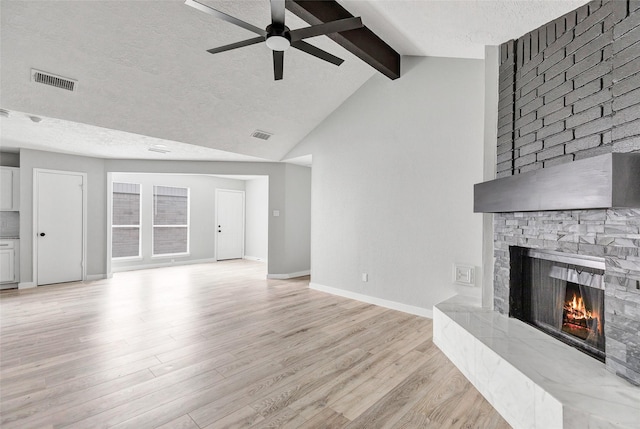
(606, 181)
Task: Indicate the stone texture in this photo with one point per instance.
(613, 234)
(577, 96)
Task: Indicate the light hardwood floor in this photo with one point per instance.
(218, 346)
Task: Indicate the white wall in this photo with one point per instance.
(393, 174)
(96, 206)
(257, 218)
(280, 261)
(298, 217)
(202, 228)
(491, 69)
(97, 169)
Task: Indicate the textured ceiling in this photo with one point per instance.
(142, 68)
(451, 28)
(20, 131)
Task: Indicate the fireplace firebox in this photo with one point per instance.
(560, 294)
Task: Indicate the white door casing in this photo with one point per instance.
(59, 213)
(229, 224)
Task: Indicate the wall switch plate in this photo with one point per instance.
(464, 274)
(276, 213)
(365, 277)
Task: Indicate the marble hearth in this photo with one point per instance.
(533, 380)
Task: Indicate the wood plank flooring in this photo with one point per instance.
(218, 346)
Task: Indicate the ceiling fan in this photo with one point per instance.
(278, 37)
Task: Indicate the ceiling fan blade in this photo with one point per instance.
(278, 64)
(326, 28)
(277, 13)
(221, 15)
(316, 52)
(247, 42)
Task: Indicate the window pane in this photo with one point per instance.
(170, 240)
(170, 205)
(126, 242)
(126, 204)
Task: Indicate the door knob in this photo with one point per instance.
(42, 234)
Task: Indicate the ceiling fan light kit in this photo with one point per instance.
(278, 37)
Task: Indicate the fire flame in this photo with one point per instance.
(577, 309)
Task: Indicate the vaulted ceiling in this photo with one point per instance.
(144, 77)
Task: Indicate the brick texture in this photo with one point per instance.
(571, 88)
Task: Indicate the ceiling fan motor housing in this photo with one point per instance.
(278, 37)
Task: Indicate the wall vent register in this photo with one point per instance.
(51, 79)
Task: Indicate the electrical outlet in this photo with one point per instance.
(464, 274)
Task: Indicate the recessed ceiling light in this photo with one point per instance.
(158, 150)
(35, 119)
(4, 113)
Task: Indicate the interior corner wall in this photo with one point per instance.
(202, 214)
(96, 206)
(97, 169)
(257, 218)
(278, 261)
(393, 175)
(491, 73)
(298, 217)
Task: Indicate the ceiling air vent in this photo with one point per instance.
(262, 135)
(53, 80)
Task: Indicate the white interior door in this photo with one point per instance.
(59, 228)
(230, 224)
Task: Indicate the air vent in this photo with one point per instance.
(53, 80)
(262, 135)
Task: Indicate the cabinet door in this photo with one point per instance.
(6, 189)
(7, 271)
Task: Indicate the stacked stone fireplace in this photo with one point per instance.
(570, 90)
(612, 234)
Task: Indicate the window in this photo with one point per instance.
(170, 220)
(125, 224)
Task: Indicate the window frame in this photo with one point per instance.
(139, 256)
(154, 226)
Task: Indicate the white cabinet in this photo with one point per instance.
(9, 188)
(8, 262)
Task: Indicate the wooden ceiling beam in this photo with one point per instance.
(361, 42)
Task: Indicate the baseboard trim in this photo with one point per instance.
(393, 305)
(288, 275)
(26, 285)
(92, 277)
(161, 265)
(254, 258)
